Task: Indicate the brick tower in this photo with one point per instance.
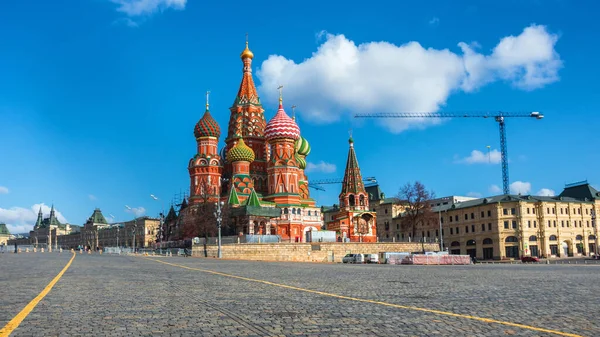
(247, 120)
(205, 167)
(354, 221)
(282, 169)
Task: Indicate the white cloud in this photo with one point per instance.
(520, 187)
(92, 197)
(137, 211)
(434, 21)
(474, 195)
(20, 219)
(3, 190)
(320, 167)
(146, 7)
(343, 78)
(546, 192)
(495, 189)
(478, 157)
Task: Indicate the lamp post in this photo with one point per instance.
(134, 226)
(161, 217)
(596, 232)
(219, 219)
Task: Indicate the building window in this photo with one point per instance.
(579, 211)
(473, 228)
(514, 224)
(466, 229)
(472, 215)
(457, 232)
(528, 223)
(534, 224)
(386, 211)
(563, 223)
(588, 223)
(553, 210)
(483, 227)
(533, 210)
(505, 211)
(442, 219)
(489, 213)
(561, 210)
(554, 223)
(456, 218)
(437, 233)
(451, 231)
(466, 217)
(489, 226)
(513, 211)
(482, 214)
(527, 210)
(450, 217)
(505, 224)
(397, 226)
(548, 210)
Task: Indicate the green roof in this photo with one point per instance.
(269, 212)
(233, 197)
(253, 199)
(97, 217)
(581, 191)
(4, 230)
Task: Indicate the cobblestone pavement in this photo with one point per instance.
(102, 295)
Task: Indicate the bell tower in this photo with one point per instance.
(205, 167)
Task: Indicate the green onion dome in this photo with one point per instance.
(301, 162)
(302, 146)
(207, 126)
(240, 152)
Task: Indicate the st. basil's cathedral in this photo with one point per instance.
(260, 173)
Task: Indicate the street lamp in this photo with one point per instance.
(596, 232)
(219, 219)
(161, 217)
(134, 225)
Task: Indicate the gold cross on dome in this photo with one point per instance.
(293, 112)
(280, 87)
(207, 94)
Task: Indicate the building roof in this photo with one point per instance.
(253, 199)
(374, 192)
(3, 229)
(240, 152)
(503, 198)
(581, 190)
(97, 217)
(207, 126)
(282, 126)
(352, 177)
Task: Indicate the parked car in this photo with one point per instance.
(526, 259)
(349, 258)
(371, 258)
(360, 258)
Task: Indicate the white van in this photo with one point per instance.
(371, 258)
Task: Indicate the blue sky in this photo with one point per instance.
(98, 98)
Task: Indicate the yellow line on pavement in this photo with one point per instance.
(14, 323)
(407, 307)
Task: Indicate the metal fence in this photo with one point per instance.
(236, 239)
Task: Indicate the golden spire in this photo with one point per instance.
(207, 93)
(293, 112)
(247, 53)
(280, 88)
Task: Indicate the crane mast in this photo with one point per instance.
(498, 116)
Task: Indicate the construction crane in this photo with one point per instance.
(316, 183)
(498, 116)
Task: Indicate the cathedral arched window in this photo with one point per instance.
(351, 201)
(309, 213)
(362, 200)
(285, 211)
(293, 211)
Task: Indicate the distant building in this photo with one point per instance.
(512, 226)
(4, 234)
(354, 220)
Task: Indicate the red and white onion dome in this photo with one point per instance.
(282, 126)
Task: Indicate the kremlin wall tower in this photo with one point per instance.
(260, 173)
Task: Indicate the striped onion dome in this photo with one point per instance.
(301, 162)
(302, 146)
(240, 152)
(207, 126)
(282, 126)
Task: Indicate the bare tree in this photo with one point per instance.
(417, 207)
(199, 219)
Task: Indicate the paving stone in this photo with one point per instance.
(134, 296)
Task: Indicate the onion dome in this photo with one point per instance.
(240, 152)
(302, 146)
(207, 126)
(301, 162)
(282, 126)
(247, 53)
